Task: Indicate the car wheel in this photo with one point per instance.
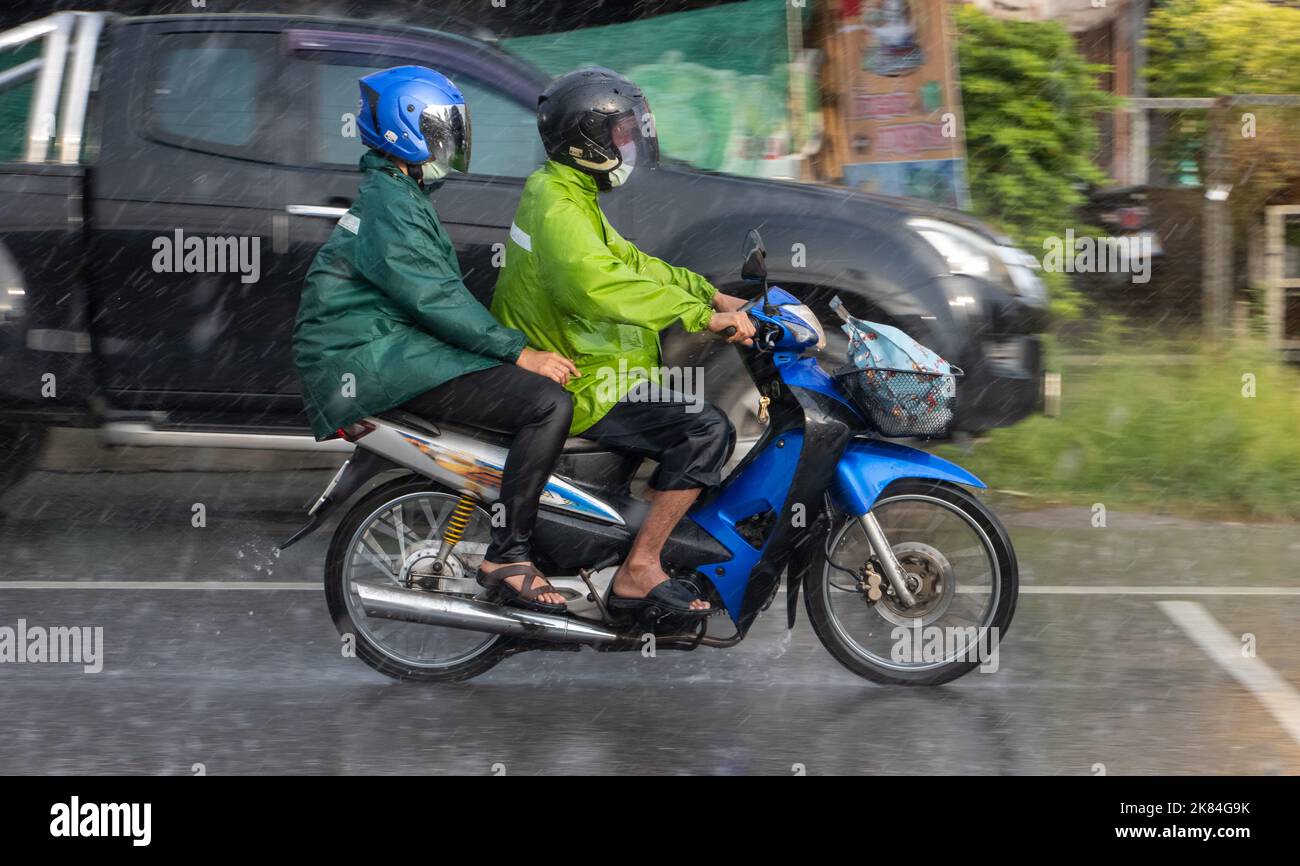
(21, 444)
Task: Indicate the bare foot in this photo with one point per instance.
(635, 580)
(516, 581)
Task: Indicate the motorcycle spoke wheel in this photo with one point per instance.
(396, 543)
(959, 566)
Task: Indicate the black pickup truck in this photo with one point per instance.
(165, 182)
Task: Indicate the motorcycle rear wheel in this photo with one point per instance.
(392, 529)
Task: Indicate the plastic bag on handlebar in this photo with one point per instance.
(905, 388)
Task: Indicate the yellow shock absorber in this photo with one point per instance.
(455, 528)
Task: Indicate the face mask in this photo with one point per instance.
(619, 176)
(427, 175)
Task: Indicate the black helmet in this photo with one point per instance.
(597, 121)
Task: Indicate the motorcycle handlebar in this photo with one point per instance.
(761, 339)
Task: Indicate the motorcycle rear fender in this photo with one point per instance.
(870, 465)
(359, 468)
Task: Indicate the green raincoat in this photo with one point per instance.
(384, 315)
(575, 287)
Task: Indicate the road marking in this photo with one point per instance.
(1099, 589)
(282, 585)
(1275, 693)
(161, 584)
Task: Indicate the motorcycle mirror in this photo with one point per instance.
(755, 265)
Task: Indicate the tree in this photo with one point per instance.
(1031, 103)
(1223, 47)
(1201, 48)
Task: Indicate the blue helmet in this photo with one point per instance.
(418, 116)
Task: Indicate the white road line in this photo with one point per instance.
(1099, 589)
(279, 586)
(161, 584)
(1275, 693)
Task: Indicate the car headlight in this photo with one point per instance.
(1022, 268)
(965, 251)
(807, 327)
(970, 253)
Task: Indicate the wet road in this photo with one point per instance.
(1124, 658)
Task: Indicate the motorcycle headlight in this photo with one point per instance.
(807, 325)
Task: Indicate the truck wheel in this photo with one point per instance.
(21, 444)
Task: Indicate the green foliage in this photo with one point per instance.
(1182, 436)
(1031, 103)
(1222, 47)
(1200, 48)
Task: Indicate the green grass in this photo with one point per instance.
(1175, 437)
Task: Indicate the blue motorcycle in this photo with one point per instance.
(907, 577)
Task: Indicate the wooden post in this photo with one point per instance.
(1216, 226)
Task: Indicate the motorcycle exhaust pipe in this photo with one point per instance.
(435, 608)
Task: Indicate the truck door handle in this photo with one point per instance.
(316, 210)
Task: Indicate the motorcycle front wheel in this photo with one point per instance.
(959, 565)
(391, 538)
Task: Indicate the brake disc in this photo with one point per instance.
(930, 579)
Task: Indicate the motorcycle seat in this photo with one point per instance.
(572, 445)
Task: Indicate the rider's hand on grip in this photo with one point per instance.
(555, 367)
(740, 326)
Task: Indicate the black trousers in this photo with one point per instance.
(691, 441)
(536, 411)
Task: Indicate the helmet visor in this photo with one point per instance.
(635, 138)
(446, 132)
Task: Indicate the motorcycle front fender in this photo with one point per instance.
(868, 466)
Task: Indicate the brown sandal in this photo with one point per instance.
(527, 595)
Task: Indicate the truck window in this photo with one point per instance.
(210, 92)
(15, 102)
(505, 138)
